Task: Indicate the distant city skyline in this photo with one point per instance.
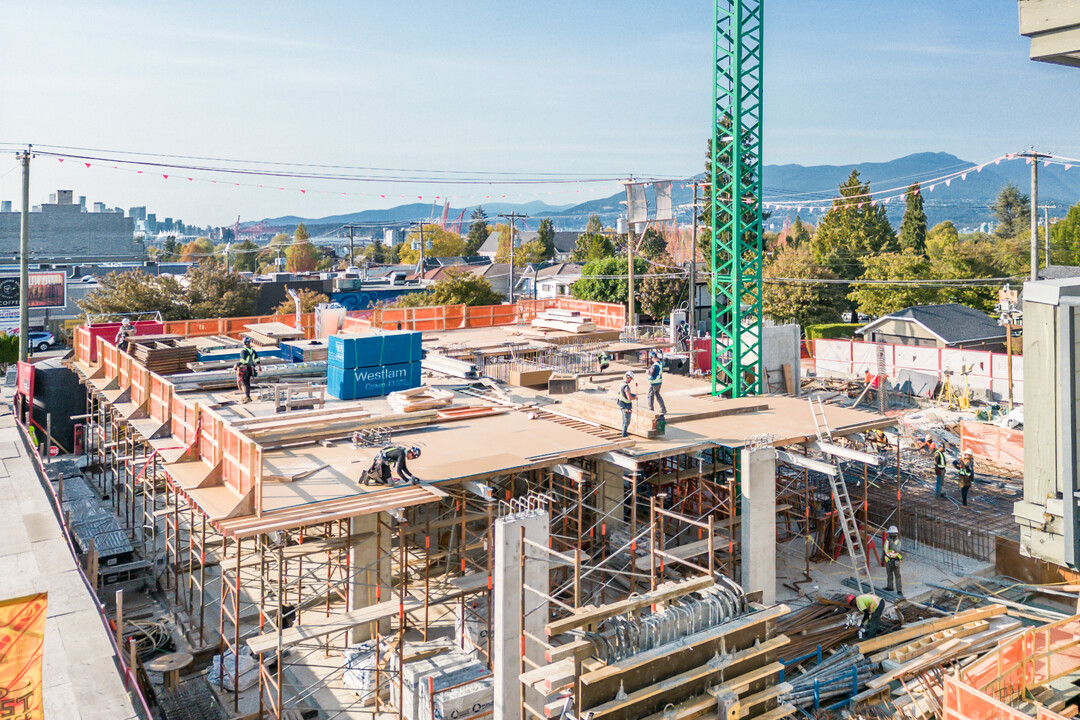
(602, 89)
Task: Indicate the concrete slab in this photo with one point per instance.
(79, 668)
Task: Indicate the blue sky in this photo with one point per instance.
(598, 88)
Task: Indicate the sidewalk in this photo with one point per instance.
(81, 679)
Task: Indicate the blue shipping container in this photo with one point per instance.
(359, 351)
(354, 383)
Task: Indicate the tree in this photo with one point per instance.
(940, 238)
(376, 252)
(913, 227)
(660, 293)
(212, 292)
(456, 287)
(244, 257)
(444, 243)
(478, 232)
(135, 292)
(970, 257)
(170, 251)
(804, 303)
(301, 233)
(604, 280)
(1065, 237)
(530, 252)
(592, 246)
(653, 245)
(594, 226)
(308, 300)
(877, 300)
(546, 236)
(301, 256)
(800, 236)
(852, 230)
(199, 250)
(1012, 209)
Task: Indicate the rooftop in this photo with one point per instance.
(951, 323)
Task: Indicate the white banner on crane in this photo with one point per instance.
(663, 201)
(637, 207)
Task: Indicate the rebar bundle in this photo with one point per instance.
(621, 636)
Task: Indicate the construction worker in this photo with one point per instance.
(892, 559)
(939, 470)
(656, 379)
(625, 401)
(125, 331)
(604, 358)
(682, 336)
(928, 444)
(395, 455)
(871, 607)
(246, 368)
(966, 469)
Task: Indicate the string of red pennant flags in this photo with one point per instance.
(121, 166)
(823, 204)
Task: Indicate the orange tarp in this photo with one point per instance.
(22, 641)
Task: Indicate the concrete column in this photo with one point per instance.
(512, 603)
(757, 484)
(365, 573)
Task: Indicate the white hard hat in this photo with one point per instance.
(125, 321)
(629, 374)
(893, 530)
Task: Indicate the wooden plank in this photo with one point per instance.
(600, 408)
(692, 682)
(675, 418)
(645, 669)
(594, 615)
(548, 679)
(789, 380)
(575, 649)
(326, 626)
(311, 547)
(925, 627)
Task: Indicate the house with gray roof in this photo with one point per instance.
(943, 326)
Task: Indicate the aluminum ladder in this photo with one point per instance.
(848, 523)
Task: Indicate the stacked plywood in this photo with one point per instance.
(421, 398)
(165, 356)
(272, 333)
(567, 320)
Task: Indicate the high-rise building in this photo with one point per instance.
(61, 231)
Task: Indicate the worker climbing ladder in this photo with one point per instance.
(842, 500)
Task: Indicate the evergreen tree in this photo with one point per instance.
(1012, 209)
(478, 232)
(594, 226)
(854, 229)
(800, 236)
(913, 227)
(546, 237)
(301, 233)
(243, 256)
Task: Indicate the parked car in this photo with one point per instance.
(41, 340)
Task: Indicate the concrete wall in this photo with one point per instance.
(1048, 513)
(781, 346)
(64, 232)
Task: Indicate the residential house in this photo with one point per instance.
(942, 326)
(565, 242)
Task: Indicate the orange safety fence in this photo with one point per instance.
(455, 317)
(1035, 657)
(990, 442)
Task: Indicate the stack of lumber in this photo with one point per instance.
(601, 408)
(164, 357)
(451, 367)
(567, 320)
(915, 655)
(307, 426)
(272, 333)
(421, 398)
(227, 364)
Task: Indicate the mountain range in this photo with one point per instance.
(965, 202)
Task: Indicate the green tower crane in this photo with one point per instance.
(736, 246)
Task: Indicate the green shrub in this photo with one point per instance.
(829, 331)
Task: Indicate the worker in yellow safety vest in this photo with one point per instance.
(891, 559)
(656, 379)
(871, 607)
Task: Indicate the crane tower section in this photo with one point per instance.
(736, 246)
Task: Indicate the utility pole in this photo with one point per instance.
(228, 247)
(24, 260)
(351, 255)
(691, 314)
(1033, 157)
(513, 217)
(1046, 229)
(630, 270)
